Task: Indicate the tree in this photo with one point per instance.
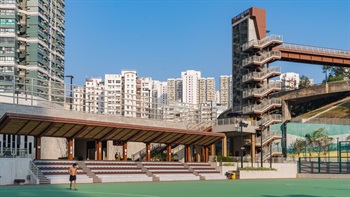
(298, 146)
(348, 138)
(319, 141)
(304, 82)
(334, 73)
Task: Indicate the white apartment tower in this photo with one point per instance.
(190, 85)
(174, 90)
(129, 104)
(113, 91)
(289, 80)
(225, 90)
(206, 90)
(94, 97)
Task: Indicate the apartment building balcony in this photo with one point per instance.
(268, 41)
(263, 91)
(261, 60)
(263, 107)
(260, 76)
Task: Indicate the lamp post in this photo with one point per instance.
(271, 155)
(241, 125)
(71, 91)
(262, 127)
(338, 155)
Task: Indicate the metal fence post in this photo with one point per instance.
(299, 165)
(319, 164)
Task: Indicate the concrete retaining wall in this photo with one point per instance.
(14, 168)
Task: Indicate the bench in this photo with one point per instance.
(19, 181)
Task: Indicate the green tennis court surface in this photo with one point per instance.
(264, 188)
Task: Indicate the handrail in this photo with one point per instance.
(32, 167)
(261, 59)
(263, 90)
(262, 106)
(314, 49)
(262, 42)
(261, 75)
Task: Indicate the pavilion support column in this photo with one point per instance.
(187, 153)
(203, 154)
(206, 154)
(125, 151)
(148, 151)
(168, 153)
(38, 148)
(224, 146)
(98, 147)
(198, 154)
(212, 150)
(70, 148)
(252, 148)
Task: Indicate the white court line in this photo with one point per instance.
(103, 193)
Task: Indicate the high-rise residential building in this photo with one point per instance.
(32, 36)
(210, 89)
(174, 90)
(190, 85)
(206, 90)
(113, 93)
(94, 95)
(160, 91)
(225, 90)
(202, 91)
(289, 80)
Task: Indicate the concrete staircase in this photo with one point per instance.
(36, 171)
(148, 173)
(194, 172)
(89, 173)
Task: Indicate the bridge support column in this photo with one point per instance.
(286, 110)
(187, 153)
(125, 151)
(70, 148)
(168, 153)
(98, 147)
(38, 148)
(224, 146)
(148, 151)
(252, 148)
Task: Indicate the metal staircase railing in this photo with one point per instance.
(264, 58)
(306, 48)
(264, 74)
(267, 152)
(267, 120)
(262, 107)
(142, 153)
(260, 92)
(263, 42)
(266, 137)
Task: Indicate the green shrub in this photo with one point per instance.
(225, 159)
(228, 164)
(63, 158)
(257, 169)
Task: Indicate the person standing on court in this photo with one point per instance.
(73, 176)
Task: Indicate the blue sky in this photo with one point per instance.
(162, 38)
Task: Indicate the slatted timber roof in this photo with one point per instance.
(45, 126)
